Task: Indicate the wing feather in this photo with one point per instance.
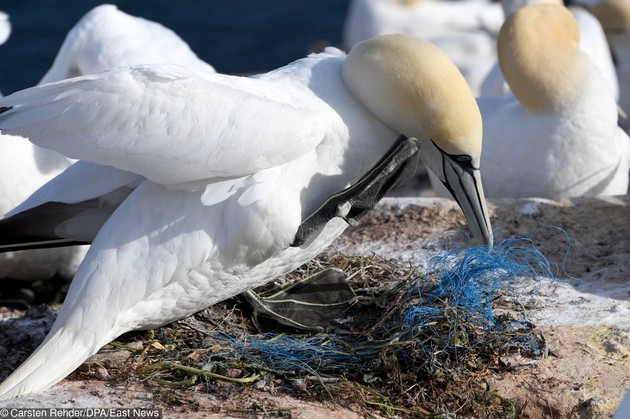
(168, 123)
(83, 181)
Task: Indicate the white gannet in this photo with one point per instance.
(592, 41)
(614, 16)
(194, 187)
(464, 30)
(24, 169)
(556, 136)
(104, 38)
(107, 37)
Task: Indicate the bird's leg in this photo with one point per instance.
(309, 304)
(396, 166)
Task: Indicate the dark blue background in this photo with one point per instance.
(235, 36)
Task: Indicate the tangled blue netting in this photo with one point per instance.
(457, 286)
(467, 279)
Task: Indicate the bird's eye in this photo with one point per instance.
(463, 158)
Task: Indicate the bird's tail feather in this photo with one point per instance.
(59, 355)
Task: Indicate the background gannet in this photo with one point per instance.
(213, 181)
(104, 38)
(592, 41)
(107, 37)
(614, 16)
(464, 30)
(557, 135)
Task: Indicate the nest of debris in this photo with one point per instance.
(416, 344)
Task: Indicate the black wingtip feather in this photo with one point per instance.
(36, 228)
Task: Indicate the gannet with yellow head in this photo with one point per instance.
(592, 41)
(193, 187)
(557, 135)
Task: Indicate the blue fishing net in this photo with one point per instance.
(430, 317)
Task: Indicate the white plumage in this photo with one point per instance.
(614, 16)
(464, 30)
(23, 169)
(210, 177)
(594, 44)
(104, 38)
(592, 41)
(107, 37)
(557, 136)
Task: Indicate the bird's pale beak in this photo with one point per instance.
(464, 182)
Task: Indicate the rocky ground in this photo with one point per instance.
(579, 313)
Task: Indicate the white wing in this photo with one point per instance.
(106, 37)
(168, 123)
